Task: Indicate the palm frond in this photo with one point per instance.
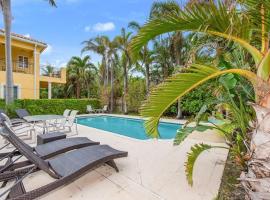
(211, 19)
(177, 86)
(183, 132)
(196, 150)
(52, 2)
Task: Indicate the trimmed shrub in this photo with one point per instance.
(50, 106)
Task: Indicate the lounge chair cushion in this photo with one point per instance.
(63, 145)
(85, 158)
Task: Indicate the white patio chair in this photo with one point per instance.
(25, 131)
(66, 113)
(68, 122)
(89, 109)
(105, 109)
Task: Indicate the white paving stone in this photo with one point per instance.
(153, 170)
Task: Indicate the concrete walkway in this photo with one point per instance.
(154, 169)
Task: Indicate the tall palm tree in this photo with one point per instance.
(247, 24)
(123, 42)
(159, 9)
(99, 45)
(5, 5)
(112, 63)
(145, 55)
(79, 70)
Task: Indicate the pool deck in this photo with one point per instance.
(154, 169)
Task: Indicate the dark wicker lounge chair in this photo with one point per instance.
(46, 151)
(21, 113)
(13, 121)
(65, 168)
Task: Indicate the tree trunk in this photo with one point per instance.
(105, 70)
(112, 87)
(179, 63)
(78, 90)
(125, 89)
(9, 74)
(256, 180)
(179, 110)
(147, 78)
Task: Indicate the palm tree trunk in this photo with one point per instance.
(112, 85)
(147, 78)
(125, 89)
(179, 110)
(105, 70)
(78, 90)
(256, 180)
(9, 75)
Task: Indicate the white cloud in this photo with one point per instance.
(48, 50)
(87, 28)
(27, 35)
(103, 27)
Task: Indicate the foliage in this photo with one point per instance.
(136, 94)
(48, 70)
(192, 102)
(183, 132)
(244, 24)
(194, 153)
(177, 86)
(80, 75)
(50, 106)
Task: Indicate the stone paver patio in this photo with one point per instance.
(154, 169)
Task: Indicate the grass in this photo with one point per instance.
(231, 188)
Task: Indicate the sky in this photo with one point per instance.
(73, 21)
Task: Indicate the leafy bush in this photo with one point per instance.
(136, 94)
(50, 106)
(192, 102)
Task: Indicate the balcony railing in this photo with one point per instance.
(55, 72)
(18, 66)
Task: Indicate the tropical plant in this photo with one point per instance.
(136, 93)
(100, 45)
(123, 42)
(5, 5)
(246, 24)
(80, 73)
(48, 70)
(145, 56)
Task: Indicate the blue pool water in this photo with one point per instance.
(128, 127)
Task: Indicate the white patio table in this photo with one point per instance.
(43, 119)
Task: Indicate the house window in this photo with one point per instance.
(15, 92)
(23, 62)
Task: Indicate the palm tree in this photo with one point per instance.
(5, 5)
(99, 45)
(79, 71)
(176, 39)
(112, 63)
(123, 42)
(238, 25)
(145, 55)
(48, 70)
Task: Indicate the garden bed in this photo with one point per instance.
(231, 188)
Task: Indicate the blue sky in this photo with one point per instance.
(73, 21)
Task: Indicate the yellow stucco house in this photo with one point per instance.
(26, 68)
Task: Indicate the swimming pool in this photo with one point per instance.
(128, 127)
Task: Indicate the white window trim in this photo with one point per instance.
(19, 91)
(23, 61)
(1, 91)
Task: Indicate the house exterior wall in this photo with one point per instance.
(26, 79)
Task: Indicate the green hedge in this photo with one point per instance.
(51, 106)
